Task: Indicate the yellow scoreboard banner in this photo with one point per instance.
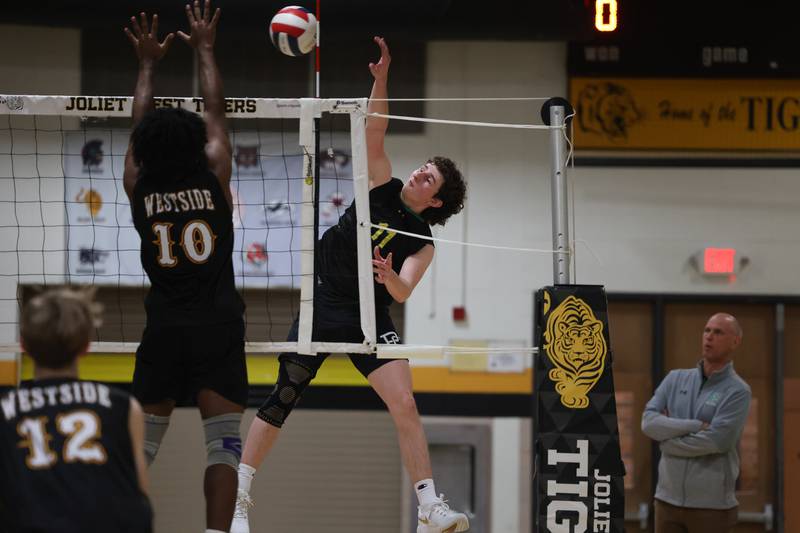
(686, 114)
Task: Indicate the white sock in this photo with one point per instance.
(214, 531)
(426, 491)
(246, 474)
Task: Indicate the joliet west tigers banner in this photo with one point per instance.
(686, 114)
(579, 471)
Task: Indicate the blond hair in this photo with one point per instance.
(56, 325)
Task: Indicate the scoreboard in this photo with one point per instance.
(605, 15)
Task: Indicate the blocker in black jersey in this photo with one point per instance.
(177, 177)
(337, 262)
(67, 460)
(186, 227)
(194, 337)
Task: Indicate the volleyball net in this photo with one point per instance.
(297, 165)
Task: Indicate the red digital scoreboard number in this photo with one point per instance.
(605, 15)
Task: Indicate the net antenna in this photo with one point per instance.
(35, 163)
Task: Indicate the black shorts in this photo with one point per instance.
(338, 327)
(176, 362)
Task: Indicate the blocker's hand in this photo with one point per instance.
(203, 27)
(144, 39)
(382, 268)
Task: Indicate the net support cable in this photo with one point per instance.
(467, 122)
(466, 243)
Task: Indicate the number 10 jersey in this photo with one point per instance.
(186, 228)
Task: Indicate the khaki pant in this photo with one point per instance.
(673, 519)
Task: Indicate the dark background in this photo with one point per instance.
(642, 20)
(656, 38)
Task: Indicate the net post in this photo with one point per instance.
(558, 195)
(560, 229)
(366, 288)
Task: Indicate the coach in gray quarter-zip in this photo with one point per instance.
(697, 416)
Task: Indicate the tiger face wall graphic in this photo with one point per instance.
(574, 342)
(607, 109)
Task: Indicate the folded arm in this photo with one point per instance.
(721, 434)
(659, 426)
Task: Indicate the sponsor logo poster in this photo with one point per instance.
(266, 187)
(100, 234)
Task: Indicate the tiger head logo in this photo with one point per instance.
(607, 109)
(575, 344)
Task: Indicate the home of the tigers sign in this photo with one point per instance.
(579, 470)
(686, 114)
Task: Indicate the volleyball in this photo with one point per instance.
(293, 30)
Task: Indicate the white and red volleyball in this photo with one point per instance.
(293, 30)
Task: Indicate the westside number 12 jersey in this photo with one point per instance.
(67, 460)
(186, 227)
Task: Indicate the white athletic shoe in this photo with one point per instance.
(243, 503)
(439, 518)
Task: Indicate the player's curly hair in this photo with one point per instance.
(169, 143)
(452, 193)
(56, 325)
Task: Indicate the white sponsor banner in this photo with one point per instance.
(266, 187)
(121, 106)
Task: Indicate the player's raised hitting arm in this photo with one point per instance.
(144, 38)
(378, 165)
(203, 32)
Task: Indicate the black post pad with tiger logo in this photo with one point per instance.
(578, 484)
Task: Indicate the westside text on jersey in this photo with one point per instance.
(178, 202)
(23, 400)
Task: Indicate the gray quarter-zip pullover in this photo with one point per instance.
(698, 467)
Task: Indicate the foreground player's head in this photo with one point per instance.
(56, 326)
(170, 143)
(439, 185)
